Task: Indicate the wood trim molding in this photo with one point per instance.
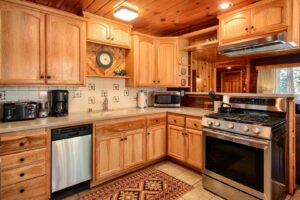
(264, 67)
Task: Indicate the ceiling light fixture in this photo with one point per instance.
(229, 68)
(126, 12)
(225, 5)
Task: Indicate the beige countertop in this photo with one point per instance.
(248, 94)
(80, 118)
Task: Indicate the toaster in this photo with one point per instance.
(18, 111)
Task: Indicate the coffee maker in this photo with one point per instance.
(59, 102)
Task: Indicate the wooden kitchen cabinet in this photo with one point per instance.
(108, 32)
(156, 142)
(22, 52)
(235, 26)
(152, 62)
(259, 19)
(65, 50)
(167, 64)
(176, 142)
(194, 147)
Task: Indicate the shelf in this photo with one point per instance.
(200, 45)
(99, 76)
(200, 32)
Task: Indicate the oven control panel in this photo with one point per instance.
(241, 128)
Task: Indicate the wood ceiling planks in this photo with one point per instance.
(156, 17)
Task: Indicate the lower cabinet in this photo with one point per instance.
(185, 140)
(156, 142)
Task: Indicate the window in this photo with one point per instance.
(288, 80)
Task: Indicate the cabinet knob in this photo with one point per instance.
(112, 38)
(22, 159)
(22, 190)
(247, 29)
(42, 77)
(182, 133)
(121, 139)
(174, 120)
(195, 125)
(154, 81)
(48, 77)
(158, 81)
(21, 144)
(157, 121)
(125, 138)
(22, 174)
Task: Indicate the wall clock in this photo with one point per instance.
(104, 59)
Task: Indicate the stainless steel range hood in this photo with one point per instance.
(266, 44)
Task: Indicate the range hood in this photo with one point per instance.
(265, 44)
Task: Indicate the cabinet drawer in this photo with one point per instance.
(24, 158)
(117, 126)
(176, 120)
(156, 120)
(21, 141)
(193, 123)
(23, 173)
(31, 189)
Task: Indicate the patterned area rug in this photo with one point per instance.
(147, 184)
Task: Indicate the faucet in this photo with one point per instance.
(105, 104)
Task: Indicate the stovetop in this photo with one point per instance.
(255, 118)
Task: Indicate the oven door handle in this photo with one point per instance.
(237, 139)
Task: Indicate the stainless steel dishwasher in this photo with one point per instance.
(71, 156)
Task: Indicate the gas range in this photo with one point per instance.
(247, 122)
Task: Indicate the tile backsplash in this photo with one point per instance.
(81, 99)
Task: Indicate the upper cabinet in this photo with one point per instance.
(261, 18)
(40, 46)
(152, 62)
(104, 31)
(22, 52)
(65, 50)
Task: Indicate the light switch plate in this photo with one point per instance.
(77, 94)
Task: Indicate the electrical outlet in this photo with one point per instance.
(126, 92)
(92, 100)
(115, 99)
(77, 94)
(116, 87)
(104, 93)
(92, 86)
(2, 95)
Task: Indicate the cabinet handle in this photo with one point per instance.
(195, 125)
(42, 77)
(182, 133)
(112, 38)
(22, 174)
(247, 29)
(154, 81)
(174, 120)
(22, 159)
(157, 121)
(125, 138)
(158, 81)
(121, 139)
(108, 38)
(148, 133)
(21, 144)
(48, 77)
(22, 190)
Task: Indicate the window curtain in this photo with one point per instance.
(266, 81)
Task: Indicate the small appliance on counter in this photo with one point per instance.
(142, 99)
(43, 109)
(167, 99)
(18, 111)
(59, 102)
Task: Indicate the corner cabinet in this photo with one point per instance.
(261, 18)
(108, 32)
(152, 62)
(39, 47)
(65, 50)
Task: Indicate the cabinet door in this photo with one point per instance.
(194, 148)
(167, 65)
(176, 142)
(134, 148)
(268, 17)
(98, 31)
(235, 26)
(156, 142)
(146, 62)
(108, 155)
(65, 50)
(22, 51)
(120, 35)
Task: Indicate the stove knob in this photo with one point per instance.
(217, 123)
(230, 125)
(245, 128)
(256, 130)
(209, 123)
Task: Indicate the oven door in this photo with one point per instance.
(239, 161)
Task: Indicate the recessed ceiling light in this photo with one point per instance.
(229, 68)
(126, 12)
(225, 5)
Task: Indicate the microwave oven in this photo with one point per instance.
(167, 99)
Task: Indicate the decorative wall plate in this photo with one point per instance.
(104, 59)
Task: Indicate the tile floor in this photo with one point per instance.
(190, 177)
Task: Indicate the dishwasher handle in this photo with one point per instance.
(71, 132)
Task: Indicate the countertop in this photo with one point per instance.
(248, 94)
(85, 117)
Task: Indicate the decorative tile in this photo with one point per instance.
(92, 100)
(116, 87)
(2, 95)
(92, 86)
(116, 99)
(104, 93)
(126, 92)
